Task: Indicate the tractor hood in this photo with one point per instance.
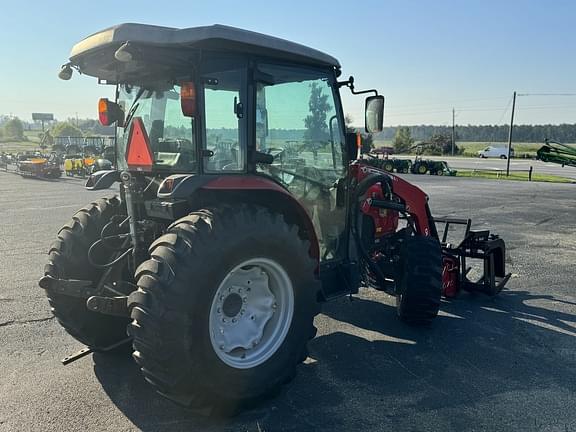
(148, 48)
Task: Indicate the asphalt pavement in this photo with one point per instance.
(501, 364)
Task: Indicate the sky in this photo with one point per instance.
(426, 57)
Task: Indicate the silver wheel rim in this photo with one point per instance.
(251, 313)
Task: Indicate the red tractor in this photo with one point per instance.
(243, 206)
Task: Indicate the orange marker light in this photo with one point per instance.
(103, 112)
(188, 99)
(109, 112)
(138, 154)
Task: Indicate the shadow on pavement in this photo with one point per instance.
(371, 372)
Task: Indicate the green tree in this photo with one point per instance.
(403, 140)
(46, 139)
(348, 119)
(14, 129)
(443, 144)
(315, 123)
(63, 129)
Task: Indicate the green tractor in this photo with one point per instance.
(400, 166)
(432, 167)
(556, 152)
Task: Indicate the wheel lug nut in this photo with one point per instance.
(233, 320)
(219, 310)
(252, 318)
(223, 320)
(221, 347)
(274, 306)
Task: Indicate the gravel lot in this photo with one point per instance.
(501, 364)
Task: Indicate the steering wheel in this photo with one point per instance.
(280, 151)
(230, 167)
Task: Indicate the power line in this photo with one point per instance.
(450, 102)
(505, 111)
(546, 94)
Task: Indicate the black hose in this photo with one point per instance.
(107, 265)
(107, 238)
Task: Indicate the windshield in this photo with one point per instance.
(171, 134)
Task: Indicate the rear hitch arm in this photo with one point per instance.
(69, 287)
(87, 350)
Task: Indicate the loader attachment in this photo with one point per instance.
(476, 245)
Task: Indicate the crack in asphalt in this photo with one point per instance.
(16, 322)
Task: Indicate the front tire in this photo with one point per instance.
(224, 308)
(420, 281)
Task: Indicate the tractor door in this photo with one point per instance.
(299, 123)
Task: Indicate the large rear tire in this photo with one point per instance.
(68, 259)
(224, 308)
(420, 284)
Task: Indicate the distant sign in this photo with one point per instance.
(42, 116)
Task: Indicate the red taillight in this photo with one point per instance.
(188, 99)
(138, 154)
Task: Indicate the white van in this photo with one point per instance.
(497, 152)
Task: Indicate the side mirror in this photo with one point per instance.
(374, 114)
(110, 112)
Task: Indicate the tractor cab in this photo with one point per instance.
(196, 104)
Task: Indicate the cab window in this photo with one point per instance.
(298, 125)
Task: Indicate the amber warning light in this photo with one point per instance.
(138, 153)
(109, 112)
(188, 99)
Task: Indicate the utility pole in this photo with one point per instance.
(453, 134)
(510, 135)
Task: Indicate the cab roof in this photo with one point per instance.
(94, 55)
